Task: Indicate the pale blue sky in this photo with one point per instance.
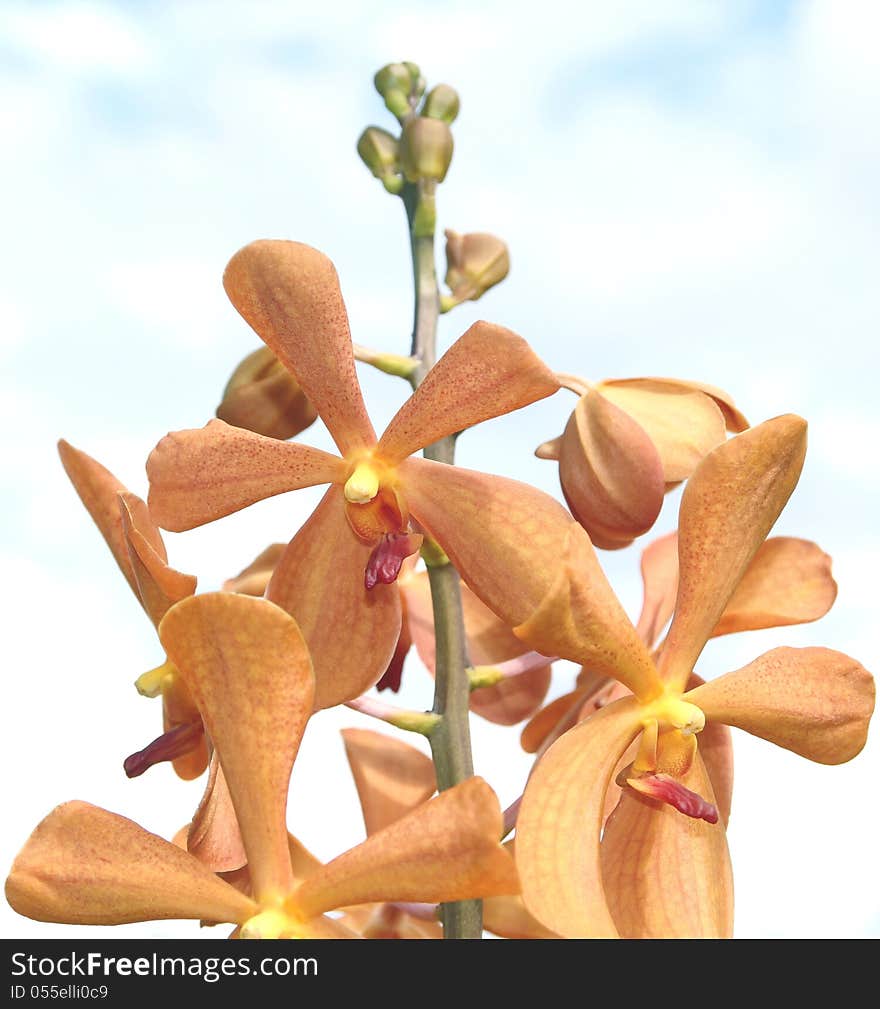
(688, 188)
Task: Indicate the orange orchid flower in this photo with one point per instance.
(627, 442)
(787, 582)
(136, 544)
(246, 663)
(653, 871)
(339, 567)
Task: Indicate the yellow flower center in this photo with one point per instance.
(363, 484)
(274, 923)
(669, 710)
(156, 681)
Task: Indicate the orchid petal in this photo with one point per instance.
(200, 475)
(546, 720)
(507, 916)
(320, 582)
(489, 642)
(391, 777)
(252, 580)
(289, 294)
(159, 586)
(248, 667)
(684, 424)
(582, 620)
(660, 582)
(447, 849)
(727, 509)
(557, 831)
(610, 472)
(488, 372)
(504, 537)
(788, 582)
(85, 866)
(667, 875)
(734, 419)
(99, 491)
(214, 837)
(813, 701)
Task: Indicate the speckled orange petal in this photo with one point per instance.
(252, 580)
(248, 667)
(557, 831)
(582, 620)
(727, 509)
(99, 491)
(814, 701)
(213, 836)
(200, 475)
(684, 424)
(447, 849)
(660, 583)
(788, 582)
(489, 641)
(289, 293)
(610, 471)
(505, 538)
(302, 863)
(320, 581)
(159, 586)
(391, 777)
(667, 875)
(488, 372)
(85, 866)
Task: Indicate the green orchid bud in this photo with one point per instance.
(442, 102)
(401, 85)
(379, 152)
(425, 149)
(474, 263)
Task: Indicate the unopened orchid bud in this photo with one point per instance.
(379, 152)
(262, 396)
(425, 149)
(401, 85)
(442, 102)
(474, 263)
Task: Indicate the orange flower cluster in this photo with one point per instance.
(621, 829)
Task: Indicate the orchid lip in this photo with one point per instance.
(665, 788)
(388, 556)
(169, 746)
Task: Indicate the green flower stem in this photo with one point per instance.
(450, 737)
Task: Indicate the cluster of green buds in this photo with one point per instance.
(412, 164)
(421, 155)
